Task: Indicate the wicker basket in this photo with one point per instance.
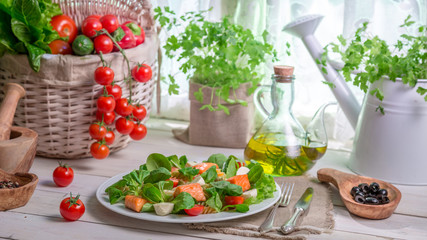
(61, 99)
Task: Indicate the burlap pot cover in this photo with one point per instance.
(218, 129)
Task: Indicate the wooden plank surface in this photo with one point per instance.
(40, 218)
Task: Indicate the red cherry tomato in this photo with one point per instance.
(65, 26)
(99, 151)
(90, 26)
(241, 164)
(128, 41)
(95, 16)
(110, 23)
(60, 47)
(139, 132)
(106, 104)
(194, 211)
(233, 200)
(97, 131)
(139, 112)
(114, 90)
(142, 73)
(124, 126)
(108, 119)
(174, 180)
(63, 175)
(123, 107)
(72, 208)
(109, 137)
(137, 31)
(104, 75)
(103, 44)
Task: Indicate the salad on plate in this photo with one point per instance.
(173, 185)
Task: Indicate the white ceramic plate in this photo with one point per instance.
(175, 218)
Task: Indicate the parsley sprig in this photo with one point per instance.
(221, 55)
(406, 59)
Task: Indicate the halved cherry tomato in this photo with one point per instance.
(103, 44)
(114, 90)
(106, 104)
(194, 211)
(233, 200)
(63, 175)
(142, 73)
(60, 47)
(139, 132)
(99, 151)
(72, 208)
(174, 180)
(97, 131)
(107, 117)
(123, 107)
(90, 26)
(241, 163)
(139, 112)
(110, 23)
(109, 137)
(124, 126)
(65, 26)
(104, 75)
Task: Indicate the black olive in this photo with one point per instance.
(364, 187)
(359, 198)
(372, 200)
(374, 187)
(385, 200)
(355, 190)
(382, 192)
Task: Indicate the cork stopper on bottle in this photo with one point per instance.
(283, 70)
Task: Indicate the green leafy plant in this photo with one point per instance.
(406, 59)
(221, 55)
(25, 28)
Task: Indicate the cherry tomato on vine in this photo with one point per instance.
(90, 26)
(65, 26)
(99, 150)
(104, 75)
(72, 208)
(108, 119)
(103, 44)
(139, 132)
(63, 175)
(60, 47)
(194, 211)
(142, 73)
(233, 200)
(109, 137)
(128, 41)
(123, 107)
(109, 22)
(97, 131)
(139, 112)
(114, 90)
(106, 104)
(124, 126)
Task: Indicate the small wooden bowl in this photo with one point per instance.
(345, 182)
(17, 197)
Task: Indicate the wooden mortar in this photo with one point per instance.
(17, 144)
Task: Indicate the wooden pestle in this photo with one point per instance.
(13, 92)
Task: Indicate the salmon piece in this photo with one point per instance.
(194, 189)
(203, 167)
(241, 180)
(134, 202)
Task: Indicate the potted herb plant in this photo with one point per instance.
(221, 61)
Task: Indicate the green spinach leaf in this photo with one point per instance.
(158, 175)
(157, 160)
(189, 172)
(148, 207)
(255, 173)
(230, 167)
(218, 158)
(210, 175)
(183, 201)
(115, 195)
(151, 193)
(215, 202)
(239, 207)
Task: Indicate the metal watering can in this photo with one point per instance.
(391, 147)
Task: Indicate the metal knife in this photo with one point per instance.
(300, 207)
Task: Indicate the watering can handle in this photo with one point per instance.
(258, 100)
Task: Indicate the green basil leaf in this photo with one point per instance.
(21, 31)
(233, 190)
(121, 184)
(210, 175)
(230, 167)
(189, 172)
(183, 201)
(183, 161)
(158, 175)
(148, 207)
(115, 195)
(215, 202)
(174, 161)
(219, 159)
(151, 193)
(157, 160)
(255, 173)
(220, 184)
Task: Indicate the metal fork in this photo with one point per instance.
(284, 200)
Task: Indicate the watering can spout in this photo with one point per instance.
(304, 28)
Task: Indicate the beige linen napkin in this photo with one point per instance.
(318, 219)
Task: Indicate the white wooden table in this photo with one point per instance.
(40, 218)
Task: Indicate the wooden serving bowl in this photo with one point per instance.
(17, 197)
(345, 182)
